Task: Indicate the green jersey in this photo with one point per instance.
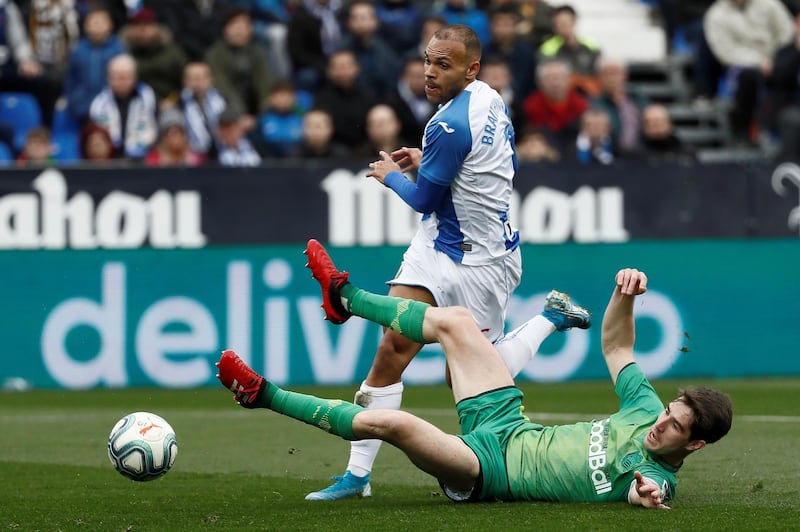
(591, 461)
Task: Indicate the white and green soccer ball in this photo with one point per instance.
(142, 446)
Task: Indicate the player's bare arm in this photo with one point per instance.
(645, 492)
(618, 326)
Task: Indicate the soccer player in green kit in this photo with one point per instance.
(632, 455)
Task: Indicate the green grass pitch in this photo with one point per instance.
(244, 470)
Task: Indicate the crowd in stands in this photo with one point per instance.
(240, 82)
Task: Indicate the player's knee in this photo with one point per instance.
(386, 425)
(455, 321)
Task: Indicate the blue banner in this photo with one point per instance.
(104, 318)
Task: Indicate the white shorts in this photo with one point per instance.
(485, 290)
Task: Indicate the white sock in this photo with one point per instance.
(518, 347)
(364, 452)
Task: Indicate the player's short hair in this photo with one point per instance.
(712, 411)
(463, 34)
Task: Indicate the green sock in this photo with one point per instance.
(404, 316)
(331, 415)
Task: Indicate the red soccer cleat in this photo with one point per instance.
(330, 280)
(237, 376)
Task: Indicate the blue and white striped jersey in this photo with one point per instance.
(469, 146)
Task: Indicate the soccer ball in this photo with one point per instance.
(142, 446)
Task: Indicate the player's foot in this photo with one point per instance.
(237, 376)
(564, 314)
(344, 488)
(330, 280)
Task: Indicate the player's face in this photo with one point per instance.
(447, 70)
(671, 432)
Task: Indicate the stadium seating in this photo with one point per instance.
(6, 154)
(22, 110)
(604, 22)
(65, 134)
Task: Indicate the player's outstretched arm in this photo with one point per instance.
(618, 326)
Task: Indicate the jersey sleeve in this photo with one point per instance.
(446, 147)
(665, 483)
(635, 392)
(422, 196)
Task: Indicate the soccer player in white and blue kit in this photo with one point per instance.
(466, 252)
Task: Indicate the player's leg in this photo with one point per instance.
(560, 313)
(475, 365)
(453, 327)
(383, 387)
(444, 456)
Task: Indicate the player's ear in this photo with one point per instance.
(473, 69)
(695, 445)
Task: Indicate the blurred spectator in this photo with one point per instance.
(19, 69)
(383, 133)
(555, 108)
(88, 63)
(513, 50)
(194, 23)
(159, 61)
(533, 147)
(126, 108)
(270, 18)
(784, 80)
(54, 31)
(117, 10)
(342, 97)
(280, 128)
(314, 33)
(464, 12)
(429, 26)
(744, 35)
(409, 101)
(173, 147)
(536, 21)
(38, 148)
(781, 110)
(623, 106)
(658, 135)
(235, 149)
(201, 104)
(495, 72)
(95, 143)
(594, 144)
(683, 24)
(317, 140)
(378, 64)
(239, 67)
(400, 22)
(566, 45)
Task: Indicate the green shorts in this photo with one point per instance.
(487, 422)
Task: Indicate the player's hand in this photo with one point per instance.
(631, 282)
(380, 169)
(649, 493)
(409, 159)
